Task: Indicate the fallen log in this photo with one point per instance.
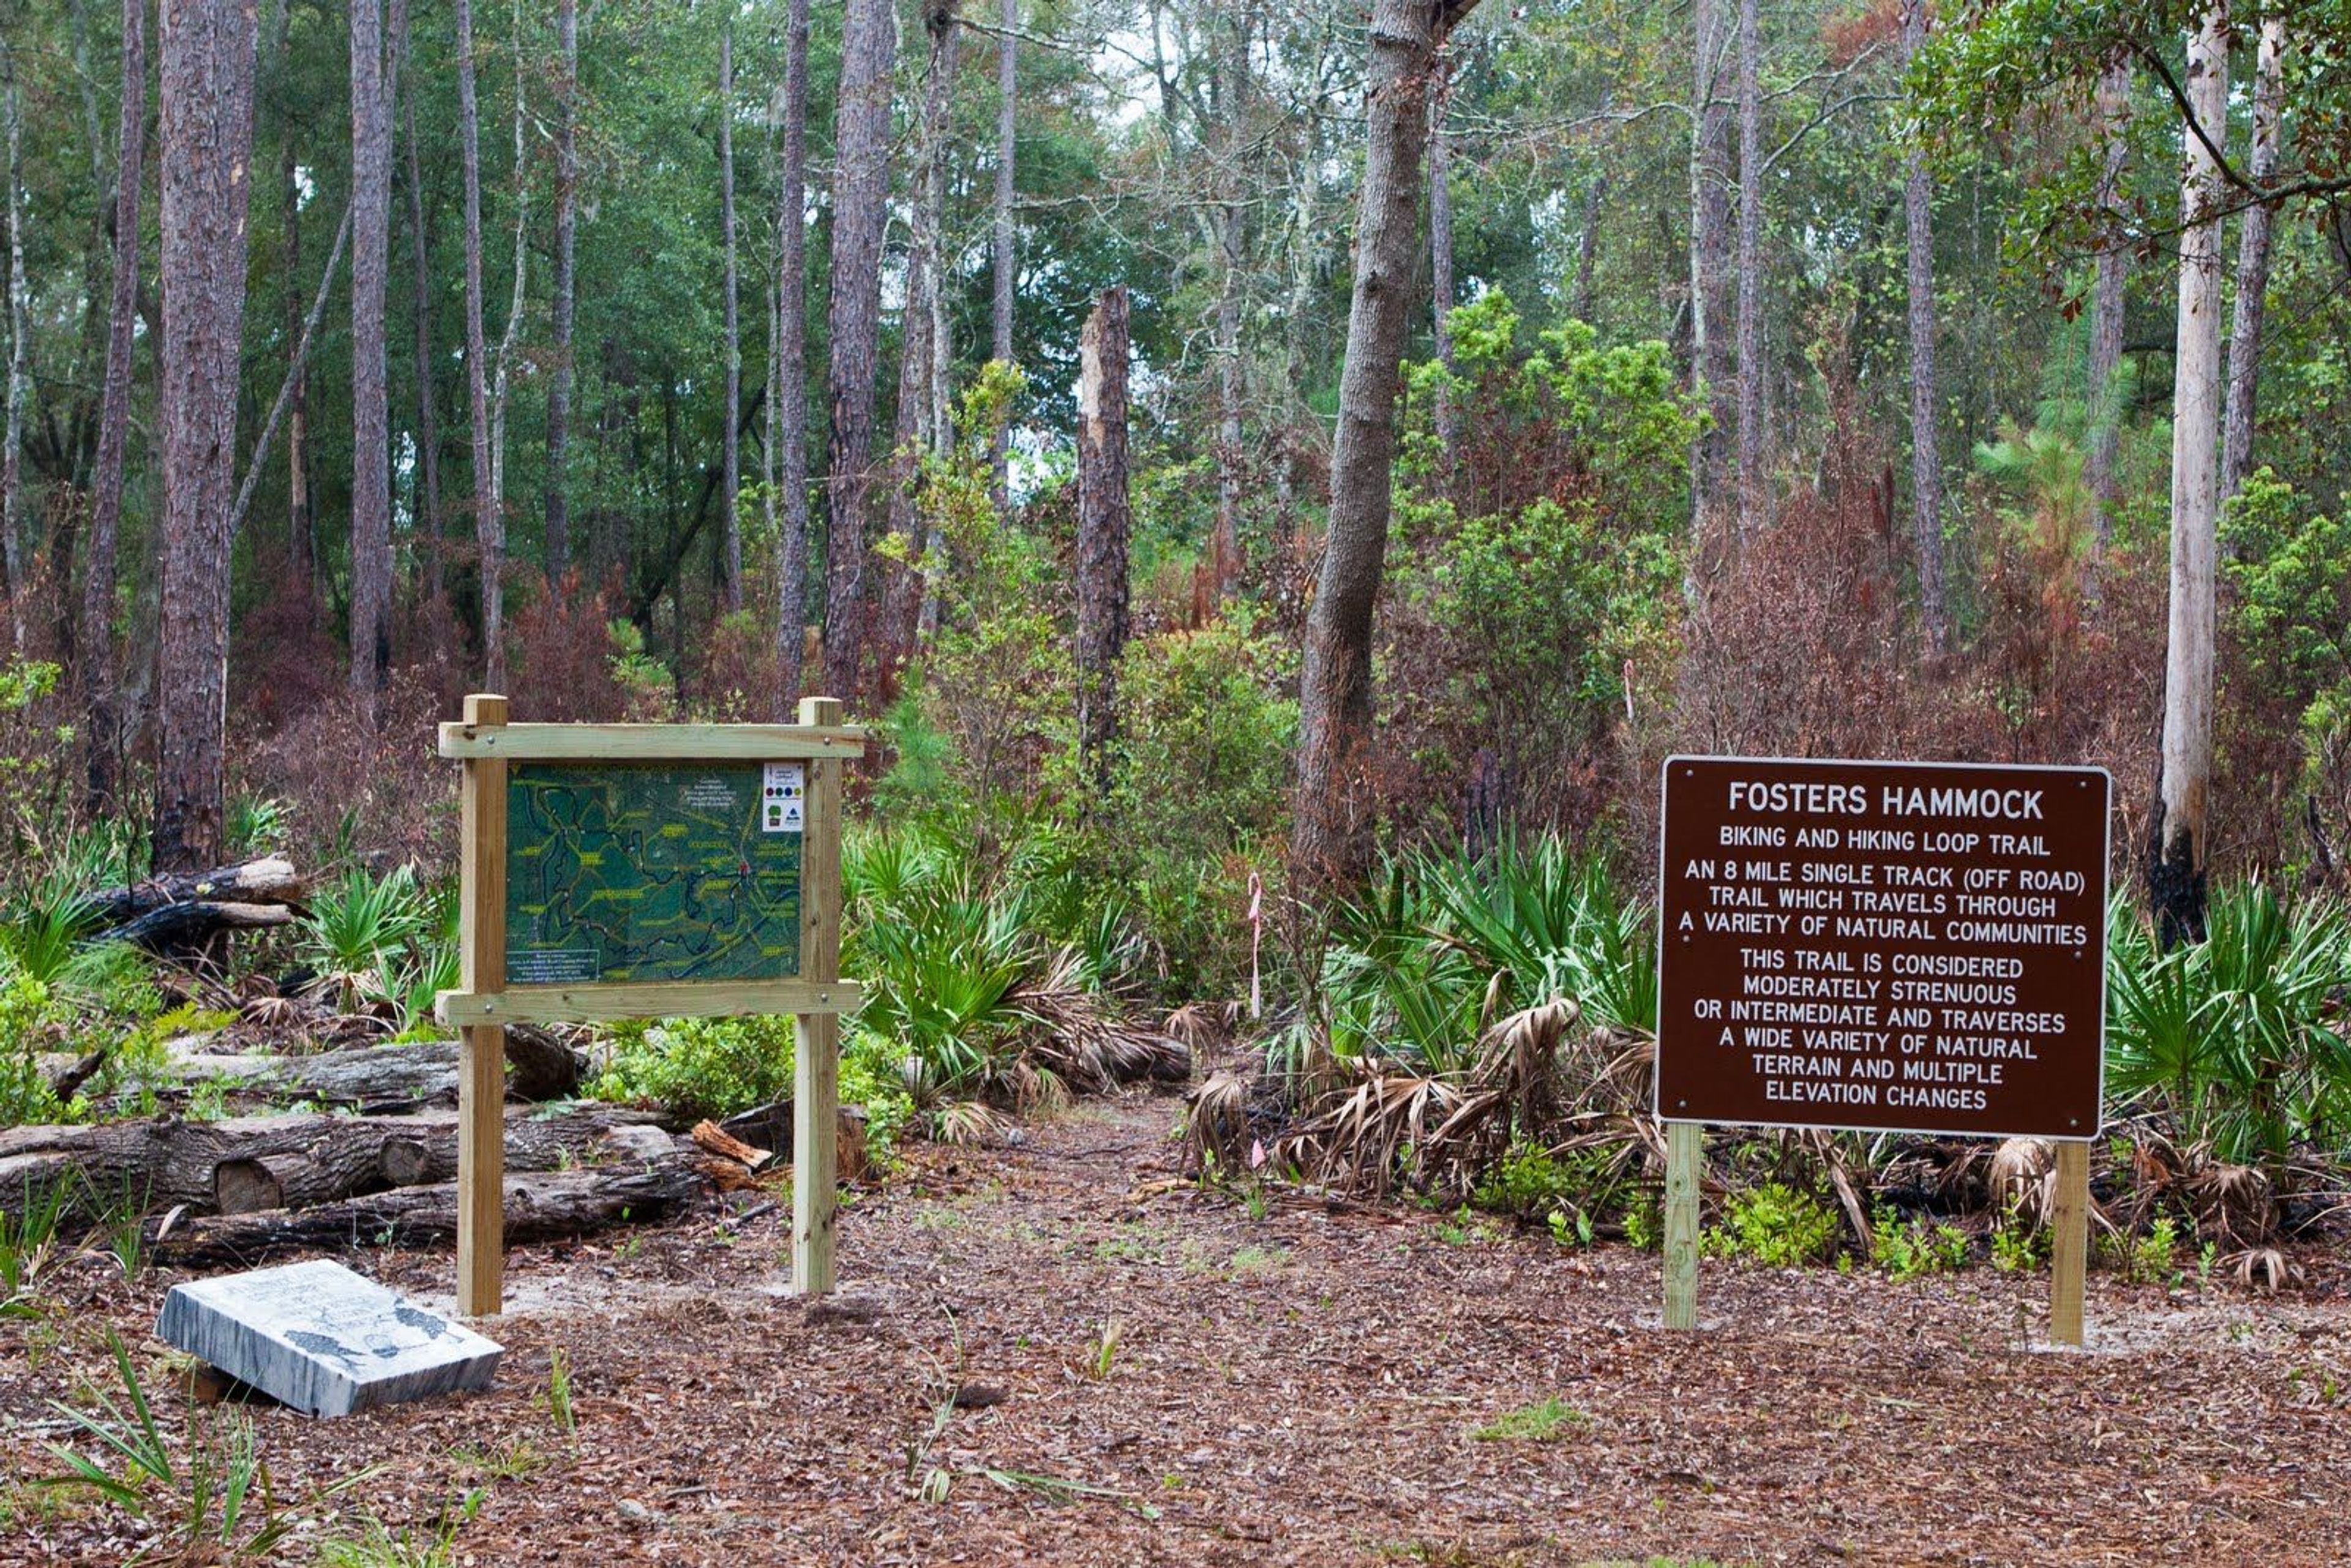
(393, 1077)
(270, 880)
(538, 1208)
(183, 925)
(247, 1163)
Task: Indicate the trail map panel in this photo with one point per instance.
(653, 872)
(1881, 945)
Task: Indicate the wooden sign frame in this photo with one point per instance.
(485, 743)
(2068, 1216)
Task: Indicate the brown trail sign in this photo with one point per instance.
(647, 871)
(1881, 947)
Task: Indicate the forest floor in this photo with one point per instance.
(1286, 1380)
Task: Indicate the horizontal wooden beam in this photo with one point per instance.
(651, 999)
(652, 742)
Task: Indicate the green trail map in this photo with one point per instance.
(653, 872)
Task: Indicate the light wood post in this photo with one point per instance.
(816, 1061)
(1685, 1149)
(2069, 1242)
(482, 1059)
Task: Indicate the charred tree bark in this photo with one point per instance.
(207, 139)
(114, 420)
(1925, 468)
(790, 428)
(859, 215)
(2253, 266)
(371, 628)
(731, 453)
(561, 367)
(1332, 840)
(2176, 857)
(1105, 523)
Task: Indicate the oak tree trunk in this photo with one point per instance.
(1104, 527)
(114, 419)
(2176, 858)
(207, 141)
(859, 215)
(1332, 840)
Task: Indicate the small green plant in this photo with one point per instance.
(1545, 1421)
(559, 1392)
(1775, 1225)
(2016, 1247)
(2149, 1259)
(29, 1242)
(358, 924)
(378, 1546)
(1907, 1248)
(1645, 1226)
(1103, 1352)
(2206, 1257)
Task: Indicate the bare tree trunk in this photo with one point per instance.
(791, 356)
(428, 425)
(2106, 312)
(1925, 468)
(1440, 250)
(511, 339)
(731, 460)
(20, 383)
(2175, 861)
(560, 369)
(1709, 312)
(1587, 245)
(1331, 840)
(1104, 525)
(301, 532)
(1751, 273)
(1000, 340)
(114, 417)
(370, 628)
(859, 214)
(2253, 266)
(923, 356)
(489, 528)
(207, 140)
(1229, 218)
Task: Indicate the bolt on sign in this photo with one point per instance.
(622, 871)
(1888, 946)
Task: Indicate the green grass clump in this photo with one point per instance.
(1545, 1421)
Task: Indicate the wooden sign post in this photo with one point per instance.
(1882, 947)
(647, 871)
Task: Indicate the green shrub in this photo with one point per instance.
(700, 1067)
(2016, 1247)
(1907, 1249)
(1775, 1225)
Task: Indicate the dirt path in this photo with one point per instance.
(1301, 1385)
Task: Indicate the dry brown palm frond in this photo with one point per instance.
(1831, 1156)
(1215, 1129)
(1036, 1087)
(1358, 1136)
(2264, 1268)
(1202, 1027)
(1519, 1058)
(2235, 1205)
(2024, 1179)
(970, 1123)
(1076, 1037)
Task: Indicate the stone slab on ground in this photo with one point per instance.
(324, 1340)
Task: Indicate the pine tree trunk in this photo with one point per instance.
(791, 356)
(489, 528)
(370, 628)
(1229, 217)
(501, 365)
(731, 460)
(114, 420)
(301, 533)
(2107, 311)
(20, 381)
(1331, 840)
(1709, 314)
(428, 424)
(1440, 253)
(1000, 319)
(2253, 266)
(207, 141)
(859, 215)
(1925, 468)
(560, 369)
(1750, 274)
(1587, 246)
(924, 357)
(2175, 861)
(1103, 526)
